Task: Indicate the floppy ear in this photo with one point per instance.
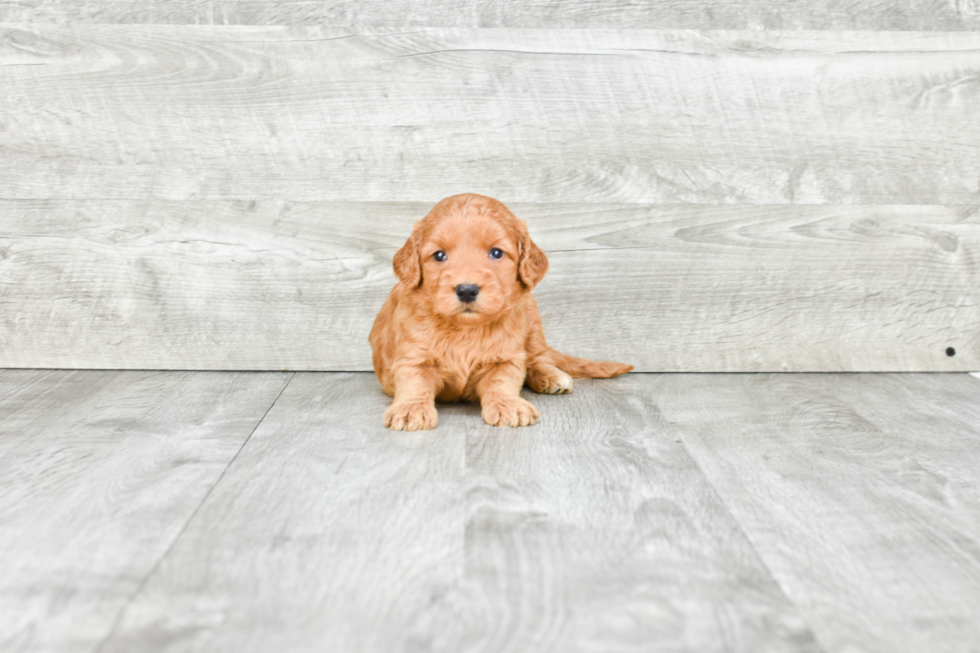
(533, 264)
(407, 266)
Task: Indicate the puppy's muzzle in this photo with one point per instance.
(467, 292)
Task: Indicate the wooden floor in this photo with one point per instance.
(230, 511)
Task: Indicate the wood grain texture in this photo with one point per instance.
(688, 14)
(330, 533)
(99, 474)
(858, 491)
(535, 115)
(580, 534)
(598, 532)
(273, 285)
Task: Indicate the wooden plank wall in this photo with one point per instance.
(221, 185)
(935, 15)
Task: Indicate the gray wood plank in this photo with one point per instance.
(686, 14)
(592, 531)
(320, 113)
(330, 533)
(598, 532)
(99, 473)
(858, 491)
(273, 285)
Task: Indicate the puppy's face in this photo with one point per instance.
(470, 259)
(469, 268)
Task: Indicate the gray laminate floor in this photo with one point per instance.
(212, 511)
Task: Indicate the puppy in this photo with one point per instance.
(462, 323)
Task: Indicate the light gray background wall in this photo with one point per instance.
(222, 185)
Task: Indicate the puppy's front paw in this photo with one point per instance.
(509, 411)
(411, 417)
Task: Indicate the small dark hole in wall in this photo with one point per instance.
(950, 351)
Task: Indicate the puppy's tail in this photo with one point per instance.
(583, 368)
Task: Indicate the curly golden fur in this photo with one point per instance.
(462, 324)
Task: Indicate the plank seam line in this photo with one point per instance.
(332, 38)
(714, 490)
(509, 51)
(142, 585)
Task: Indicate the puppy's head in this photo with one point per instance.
(470, 259)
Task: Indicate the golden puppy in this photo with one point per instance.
(462, 322)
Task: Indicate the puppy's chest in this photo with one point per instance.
(466, 353)
(463, 360)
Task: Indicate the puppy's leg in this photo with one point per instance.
(542, 375)
(499, 389)
(414, 407)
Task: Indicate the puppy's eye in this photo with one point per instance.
(439, 256)
(495, 253)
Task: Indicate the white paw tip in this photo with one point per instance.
(563, 383)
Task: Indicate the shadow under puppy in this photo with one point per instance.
(462, 322)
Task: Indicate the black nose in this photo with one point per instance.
(467, 292)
